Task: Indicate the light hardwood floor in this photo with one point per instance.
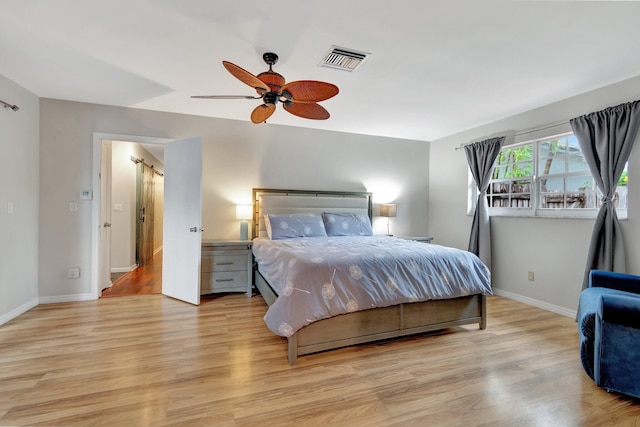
(151, 360)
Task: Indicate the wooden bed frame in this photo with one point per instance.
(368, 325)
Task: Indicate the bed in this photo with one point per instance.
(339, 273)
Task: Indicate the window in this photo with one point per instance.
(512, 180)
(547, 177)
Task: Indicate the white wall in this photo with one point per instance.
(237, 156)
(19, 181)
(554, 249)
(123, 192)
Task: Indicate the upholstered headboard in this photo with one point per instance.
(274, 201)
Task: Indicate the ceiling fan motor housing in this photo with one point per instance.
(272, 79)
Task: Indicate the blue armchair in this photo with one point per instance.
(609, 326)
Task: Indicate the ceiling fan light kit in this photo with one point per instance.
(299, 98)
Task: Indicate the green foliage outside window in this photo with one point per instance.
(624, 179)
(513, 158)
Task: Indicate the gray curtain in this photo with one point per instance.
(606, 138)
(481, 157)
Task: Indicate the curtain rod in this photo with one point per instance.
(7, 105)
(136, 161)
(523, 132)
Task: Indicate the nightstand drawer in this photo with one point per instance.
(227, 281)
(226, 266)
(218, 263)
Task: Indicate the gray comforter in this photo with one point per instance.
(320, 277)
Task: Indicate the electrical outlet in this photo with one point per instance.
(531, 276)
(74, 273)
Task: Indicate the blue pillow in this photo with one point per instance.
(347, 224)
(296, 225)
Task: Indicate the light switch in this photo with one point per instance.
(9, 207)
(117, 207)
(73, 207)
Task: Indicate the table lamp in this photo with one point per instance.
(388, 210)
(244, 213)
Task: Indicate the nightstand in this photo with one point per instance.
(226, 266)
(417, 238)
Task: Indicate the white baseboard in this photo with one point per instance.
(65, 298)
(18, 311)
(536, 303)
(123, 269)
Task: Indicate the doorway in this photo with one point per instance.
(181, 220)
(114, 216)
(133, 182)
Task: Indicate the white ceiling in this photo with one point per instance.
(436, 67)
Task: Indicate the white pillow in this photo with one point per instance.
(267, 226)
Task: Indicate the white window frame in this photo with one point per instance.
(534, 211)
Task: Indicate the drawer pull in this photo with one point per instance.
(224, 263)
(224, 280)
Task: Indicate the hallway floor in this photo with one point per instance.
(146, 279)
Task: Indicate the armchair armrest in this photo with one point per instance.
(612, 280)
(619, 309)
(616, 350)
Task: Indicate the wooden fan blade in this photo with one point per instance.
(262, 112)
(246, 77)
(225, 97)
(309, 90)
(307, 110)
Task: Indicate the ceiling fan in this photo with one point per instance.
(300, 98)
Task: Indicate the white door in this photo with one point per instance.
(104, 275)
(182, 229)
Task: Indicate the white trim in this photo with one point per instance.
(65, 298)
(98, 137)
(18, 311)
(536, 303)
(123, 269)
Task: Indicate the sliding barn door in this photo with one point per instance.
(145, 199)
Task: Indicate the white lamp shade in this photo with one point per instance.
(388, 210)
(244, 212)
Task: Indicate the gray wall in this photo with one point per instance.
(237, 156)
(554, 249)
(19, 181)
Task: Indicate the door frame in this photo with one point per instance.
(98, 137)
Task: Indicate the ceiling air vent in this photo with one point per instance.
(343, 59)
